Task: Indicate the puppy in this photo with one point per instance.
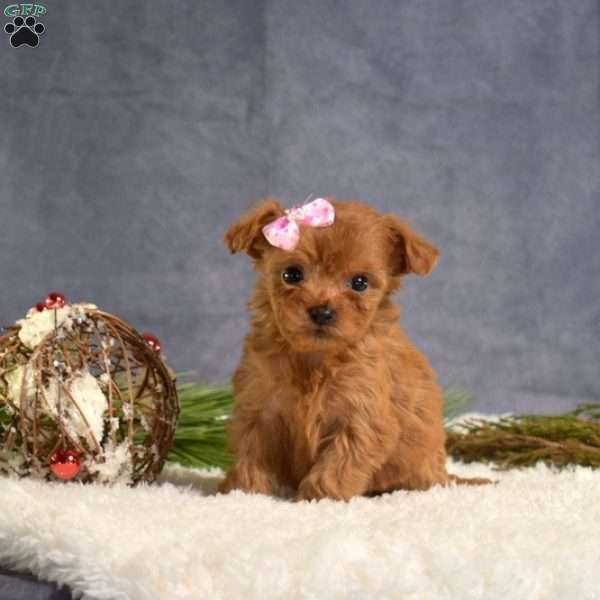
(331, 398)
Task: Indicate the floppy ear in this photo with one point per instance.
(410, 252)
(246, 234)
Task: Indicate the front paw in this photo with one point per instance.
(315, 487)
(247, 478)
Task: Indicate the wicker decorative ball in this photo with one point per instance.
(83, 396)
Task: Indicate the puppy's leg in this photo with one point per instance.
(251, 472)
(350, 455)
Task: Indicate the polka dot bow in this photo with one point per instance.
(284, 232)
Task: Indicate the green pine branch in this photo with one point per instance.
(200, 437)
(572, 438)
(518, 441)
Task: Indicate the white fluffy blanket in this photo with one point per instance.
(535, 535)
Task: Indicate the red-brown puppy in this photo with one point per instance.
(331, 399)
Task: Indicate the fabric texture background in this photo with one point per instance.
(20, 586)
(136, 132)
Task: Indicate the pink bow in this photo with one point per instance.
(284, 232)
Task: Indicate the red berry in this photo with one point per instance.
(55, 300)
(152, 341)
(65, 464)
(40, 307)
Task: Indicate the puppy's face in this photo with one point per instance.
(325, 294)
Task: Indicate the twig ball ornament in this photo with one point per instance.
(83, 396)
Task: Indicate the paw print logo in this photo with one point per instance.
(24, 31)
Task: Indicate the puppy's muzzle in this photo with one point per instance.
(321, 315)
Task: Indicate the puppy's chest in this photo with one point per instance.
(303, 410)
(296, 407)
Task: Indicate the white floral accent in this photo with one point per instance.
(91, 401)
(20, 381)
(117, 466)
(37, 325)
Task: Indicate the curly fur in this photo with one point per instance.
(343, 410)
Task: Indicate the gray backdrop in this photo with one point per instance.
(137, 131)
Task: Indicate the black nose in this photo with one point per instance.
(321, 315)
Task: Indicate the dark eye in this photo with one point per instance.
(292, 275)
(359, 283)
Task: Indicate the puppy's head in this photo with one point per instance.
(325, 294)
